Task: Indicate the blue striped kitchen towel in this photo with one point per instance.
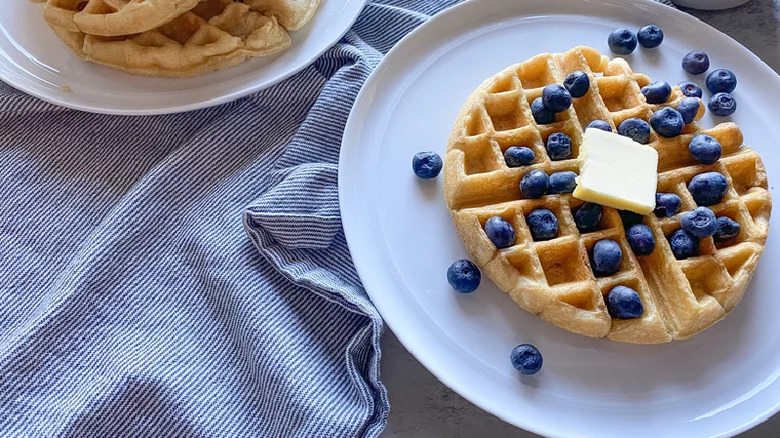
(187, 275)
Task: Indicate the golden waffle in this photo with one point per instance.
(554, 279)
(292, 14)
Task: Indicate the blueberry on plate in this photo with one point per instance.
(599, 124)
(657, 92)
(624, 303)
(650, 36)
(500, 232)
(558, 146)
(722, 104)
(636, 129)
(727, 229)
(464, 276)
(688, 108)
(563, 182)
(427, 165)
(629, 218)
(690, 89)
(696, 63)
(705, 148)
(577, 83)
(641, 239)
(543, 224)
(606, 257)
(541, 114)
(700, 222)
(588, 216)
(708, 188)
(721, 80)
(667, 204)
(516, 156)
(526, 358)
(622, 41)
(683, 245)
(667, 122)
(534, 184)
(556, 98)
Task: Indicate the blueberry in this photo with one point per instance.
(727, 229)
(721, 80)
(708, 188)
(650, 36)
(558, 146)
(688, 108)
(427, 165)
(542, 115)
(606, 257)
(516, 156)
(622, 41)
(577, 83)
(464, 276)
(629, 218)
(696, 63)
(556, 98)
(599, 124)
(700, 222)
(563, 182)
(637, 129)
(657, 92)
(690, 89)
(667, 204)
(641, 239)
(683, 245)
(588, 216)
(500, 232)
(705, 148)
(534, 184)
(543, 224)
(526, 358)
(722, 104)
(624, 303)
(667, 122)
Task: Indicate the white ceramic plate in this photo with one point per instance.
(719, 383)
(34, 60)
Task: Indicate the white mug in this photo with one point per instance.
(709, 5)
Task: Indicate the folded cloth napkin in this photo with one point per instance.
(187, 275)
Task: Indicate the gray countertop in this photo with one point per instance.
(422, 407)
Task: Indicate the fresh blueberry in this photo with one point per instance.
(688, 108)
(622, 41)
(721, 80)
(556, 98)
(700, 222)
(516, 156)
(641, 239)
(527, 359)
(558, 146)
(727, 229)
(542, 115)
(464, 276)
(690, 89)
(667, 204)
(629, 218)
(624, 303)
(543, 224)
(599, 124)
(606, 257)
(588, 216)
(637, 129)
(667, 122)
(563, 182)
(696, 63)
(500, 232)
(534, 184)
(657, 92)
(577, 83)
(722, 104)
(705, 148)
(650, 36)
(683, 245)
(427, 165)
(708, 188)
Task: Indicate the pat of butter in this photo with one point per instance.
(617, 172)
